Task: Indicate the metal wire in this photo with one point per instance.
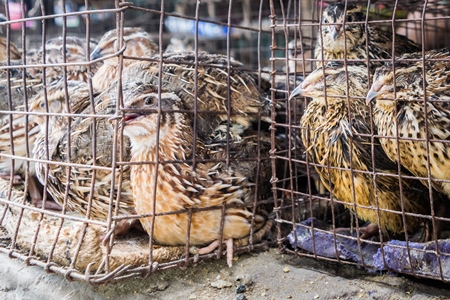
(69, 232)
(394, 16)
(261, 43)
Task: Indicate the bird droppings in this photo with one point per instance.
(245, 279)
(241, 289)
(220, 284)
(241, 297)
(306, 276)
(157, 287)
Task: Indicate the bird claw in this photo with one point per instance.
(16, 179)
(230, 252)
(49, 205)
(211, 247)
(122, 228)
(196, 257)
(369, 231)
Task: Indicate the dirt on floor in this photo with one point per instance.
(266, 275)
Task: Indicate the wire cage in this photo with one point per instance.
(68, 168)
(216, 87)
(357, 124)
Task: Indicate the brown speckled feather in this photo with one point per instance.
(81, 153)
(24, 132)
(331, 40)
(181, 186)
(248, 107)
(74, 52)
(22, 128)
(14, 54)
(178, 76)
(138, 44)
(408, 113)
(33, 78)
(337, 133)
(16, 83)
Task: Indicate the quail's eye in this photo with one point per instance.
(42, 105)
(349, 19)
(149, 100)
(324, 21)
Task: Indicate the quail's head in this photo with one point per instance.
(339, 30)
(407, 84)
(333, 81)
(146, 111)
(54, 100)
(136, 41)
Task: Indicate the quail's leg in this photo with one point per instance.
(429, 234)
(122, 228)
(369, 231)
(211, 247)
(36, 197)
(7, 176)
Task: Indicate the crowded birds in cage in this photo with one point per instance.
(180, 188)
(28, 83)
(17, 87)
(137, 44)
(55, 102)
(213, 86)
(344, 35)
(206, 154)
(58, 51)
(336, 131)
(412, 114)
(89, 144)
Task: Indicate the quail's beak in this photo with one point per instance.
(297, 91)
(96, 53)
(375, 91)
(371, 95)
(336, 31)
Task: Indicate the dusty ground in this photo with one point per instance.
(266, 275)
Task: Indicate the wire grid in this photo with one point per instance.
(79, 246)
(301, 200)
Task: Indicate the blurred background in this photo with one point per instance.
(242, 26)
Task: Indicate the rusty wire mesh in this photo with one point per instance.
(74, 242)
(312, 221)
(275, 41)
